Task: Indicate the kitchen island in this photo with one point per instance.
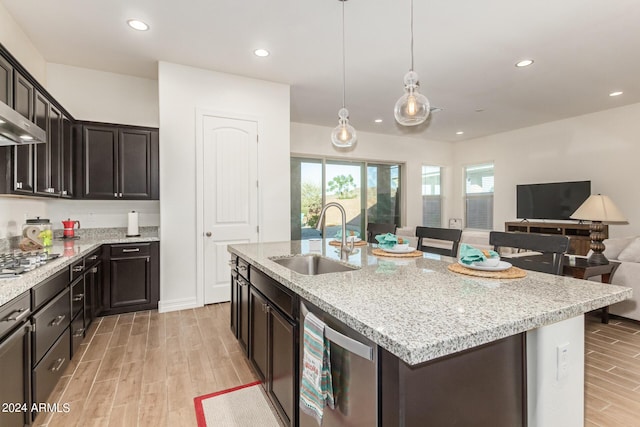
(419, 314)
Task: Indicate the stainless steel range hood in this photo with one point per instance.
(16, 130)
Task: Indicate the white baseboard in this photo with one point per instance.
(177, 304)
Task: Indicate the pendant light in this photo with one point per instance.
(343, 135)
(413, 107)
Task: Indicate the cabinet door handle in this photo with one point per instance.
(64, 192)
(120, 195)
(57, 320)
(20, 314)
(115, 195)
(18, 185)
(94, 270)
(231, 263)
(242, 267)
(93, 258)
(79, 332)
(131, 250)
(78, 297)
(78, 268)
(57, 365)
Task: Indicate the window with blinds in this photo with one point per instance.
(479, 196)
(431, 196)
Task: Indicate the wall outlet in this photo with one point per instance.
(562, 368)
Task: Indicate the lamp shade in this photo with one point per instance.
(599, 208)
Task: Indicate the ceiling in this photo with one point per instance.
(465, 51)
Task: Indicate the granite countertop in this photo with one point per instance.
(418, 310)
(70, 252)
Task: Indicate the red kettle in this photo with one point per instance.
(68, 228)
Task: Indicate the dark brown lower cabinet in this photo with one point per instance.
(272, 343)
(481, 386)
(14, 371)
(243, 314)
(259, 346)
(133, 272)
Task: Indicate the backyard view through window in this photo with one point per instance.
(431, 196)
(369, 192)
(479, 196)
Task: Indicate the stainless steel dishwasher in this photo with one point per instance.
(354, 367)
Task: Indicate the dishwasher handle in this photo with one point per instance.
(349, 344)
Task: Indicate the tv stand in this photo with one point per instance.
(578, 233)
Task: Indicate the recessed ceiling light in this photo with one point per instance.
(136, 24)
(618, 93)
(26, 137)
(378, 120)
(261, 52)
(524, 63)
(459, 132)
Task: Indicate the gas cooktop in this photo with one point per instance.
(13, 264)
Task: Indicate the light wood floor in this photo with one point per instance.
(144, 369)
(612, 373)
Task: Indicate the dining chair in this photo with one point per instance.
(449, 236)
(376, 228)
(548, 250)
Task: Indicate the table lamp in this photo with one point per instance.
(598, 209)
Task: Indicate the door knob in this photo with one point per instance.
(208, 234)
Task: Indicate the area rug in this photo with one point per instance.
(242, 406)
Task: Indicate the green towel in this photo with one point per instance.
(387, 241)
(316, 386)
(469, 254)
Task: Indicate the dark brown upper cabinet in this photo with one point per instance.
(23, 155)
(119, 162)
(67, 164)
(41, 160)
(6, 82)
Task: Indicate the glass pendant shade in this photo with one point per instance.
(343, 135)
(413, 107)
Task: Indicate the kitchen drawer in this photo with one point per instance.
(49, 323)
(77, 268)
(14, 312)
(47, 373)
(243, 268)
(93, 258)
(77, 296)
(279, 296)
(44, 291)
(136, 250)
(77, 332)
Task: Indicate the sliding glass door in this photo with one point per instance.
(369, 192)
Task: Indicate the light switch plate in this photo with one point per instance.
(562, 368)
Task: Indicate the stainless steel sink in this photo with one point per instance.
(312, 265)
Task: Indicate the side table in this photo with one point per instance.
(581, 269)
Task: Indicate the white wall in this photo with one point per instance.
(182, 90)
(15, 210)
(315, 140)
(104, 97)
(602, 147)
(21, 47)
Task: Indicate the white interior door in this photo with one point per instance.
(230, 199)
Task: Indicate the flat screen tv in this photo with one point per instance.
(556, 200)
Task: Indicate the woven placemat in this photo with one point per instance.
(339, 243)
(510, 273)
(380, 252)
